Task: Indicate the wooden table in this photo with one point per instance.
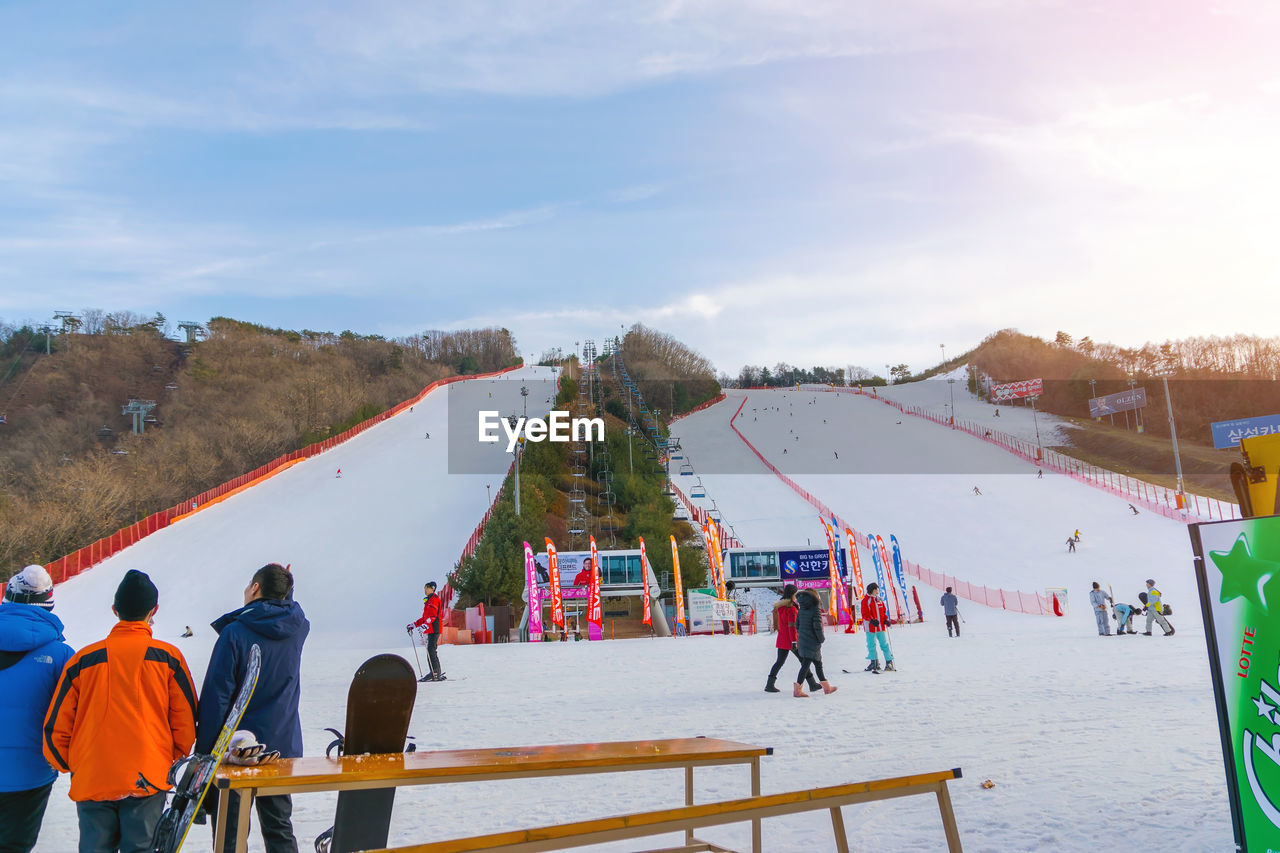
(363, 772)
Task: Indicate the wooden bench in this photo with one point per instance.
(689, 818)
(363, 772)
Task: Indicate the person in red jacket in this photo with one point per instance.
(429, 622)
(876, 618)
(784, 620)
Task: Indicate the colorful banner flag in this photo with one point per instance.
(553, 572)
(535, 605)
(675, 564)
(834, 608)
(884, 558)
(719, 555)
(1237, 566)
(875, 558)
(856, 566)
(898, 573)
(593, 591)
(644, 584)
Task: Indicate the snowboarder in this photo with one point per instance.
(426, 435)
(188, 632)
(1039, 473)
(784, 621)
(977, 491)
(809, 638)
(1133, 509)
(132, 712)
(33, 652)
(1098, 599)
(1155, 609)
(272, 620)
(876, 617)
(949, 604)
(997, 413)
(1124, 619)
(429, 622)
(1076, 535)
(1071, 544)
(339, 474)
(837, 453)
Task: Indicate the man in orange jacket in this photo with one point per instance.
(122, 713)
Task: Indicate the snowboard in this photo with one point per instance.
(379, 705)
(192, 776)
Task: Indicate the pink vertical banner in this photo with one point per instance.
(535, 606)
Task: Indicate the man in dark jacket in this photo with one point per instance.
(32, 655)
(275, 622)
(429, 622)
(950, 609)
(809, 639)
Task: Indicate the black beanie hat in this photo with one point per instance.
(135, 597)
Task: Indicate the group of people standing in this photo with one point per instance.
(1153, 606)
(797, 618)
(118, 713)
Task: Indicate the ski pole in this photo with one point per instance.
(959, 614)
(413, 640)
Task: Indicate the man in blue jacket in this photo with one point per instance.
(32, 655)
(275, 622)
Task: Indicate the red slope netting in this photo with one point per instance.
(90, 555)
(1020, 602)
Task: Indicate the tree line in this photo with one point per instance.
(71, 470)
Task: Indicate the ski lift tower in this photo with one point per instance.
(192, 329)
(70, 322)
(139, 409)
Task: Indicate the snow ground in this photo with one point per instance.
(1090, 743)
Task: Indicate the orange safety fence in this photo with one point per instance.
(90, 555)
(1020, 602)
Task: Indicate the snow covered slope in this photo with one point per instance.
(1090, 742)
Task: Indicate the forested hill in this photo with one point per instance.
(72, 471)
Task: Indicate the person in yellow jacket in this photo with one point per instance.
(122, 713)
(1155, 608)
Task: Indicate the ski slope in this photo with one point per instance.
(1090, 743)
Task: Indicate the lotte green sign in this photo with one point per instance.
(1238, 572)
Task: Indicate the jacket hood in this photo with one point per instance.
(24, 627)
(807, 600)
(272, 618)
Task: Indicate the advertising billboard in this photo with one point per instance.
(1014, 390)
(1227, 434)
(1237, 565)
(1114, 404)
(807, 569)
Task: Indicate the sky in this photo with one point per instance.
(812, 182)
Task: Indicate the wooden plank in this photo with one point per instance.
(620, 827)
(462, 764)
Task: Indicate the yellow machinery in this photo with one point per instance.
(1254, 480)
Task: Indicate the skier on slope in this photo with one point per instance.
(949, 604)
(1133, 509)
(1071, 544)
(1155, 608)
(876, 618)
(429, 622)
(273, 621)
(1124, 618)
(1098, 600)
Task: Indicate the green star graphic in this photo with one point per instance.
(1244, 574)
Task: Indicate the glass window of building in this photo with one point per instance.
(753, 564)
